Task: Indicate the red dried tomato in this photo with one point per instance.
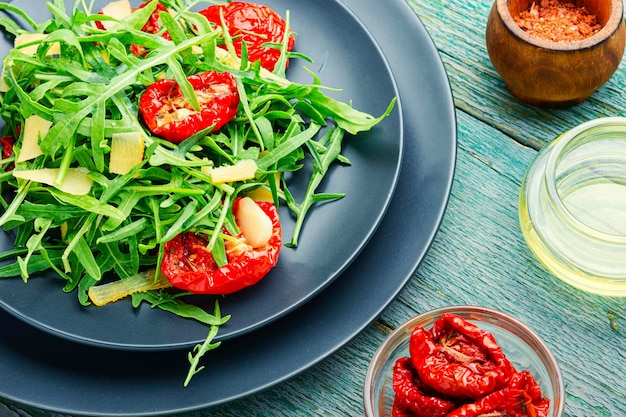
(190, 266)
(398, 409)
(153, 25)
(521, 398)
(7, 143)
(256, 25)
(458, 359)
(413, 397)
(169, 115)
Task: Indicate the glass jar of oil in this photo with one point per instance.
(573, 206)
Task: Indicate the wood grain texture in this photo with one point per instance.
(479, 256)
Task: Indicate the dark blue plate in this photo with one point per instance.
(345, 56)
(44, 371)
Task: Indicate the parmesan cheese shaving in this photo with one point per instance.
(242, 170)
(127, 151)
(35, 127)
(76, 182)
(26, 38)
(113, 291)
(117, 10)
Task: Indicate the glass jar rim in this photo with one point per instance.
(558, 146)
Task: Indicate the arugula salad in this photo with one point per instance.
(97, 192)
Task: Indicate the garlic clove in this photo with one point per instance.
(255, 225)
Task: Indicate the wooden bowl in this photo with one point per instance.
(554, 74)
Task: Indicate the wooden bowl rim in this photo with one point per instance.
(611, 26)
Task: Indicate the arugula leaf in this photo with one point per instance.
(172, 303)
(201, 349)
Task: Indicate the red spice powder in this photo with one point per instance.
(558, 21)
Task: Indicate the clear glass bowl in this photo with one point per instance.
(573, 206)
(520, 344)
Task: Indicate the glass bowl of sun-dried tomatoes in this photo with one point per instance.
(463, 361)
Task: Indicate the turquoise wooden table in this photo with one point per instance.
(479, 256)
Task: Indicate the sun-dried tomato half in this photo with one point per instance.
(260, 27)
(7, 143)
(521, 398)
(458, 359)
(189, 265)
(153, 25)
(168, 114)
(413, 397)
